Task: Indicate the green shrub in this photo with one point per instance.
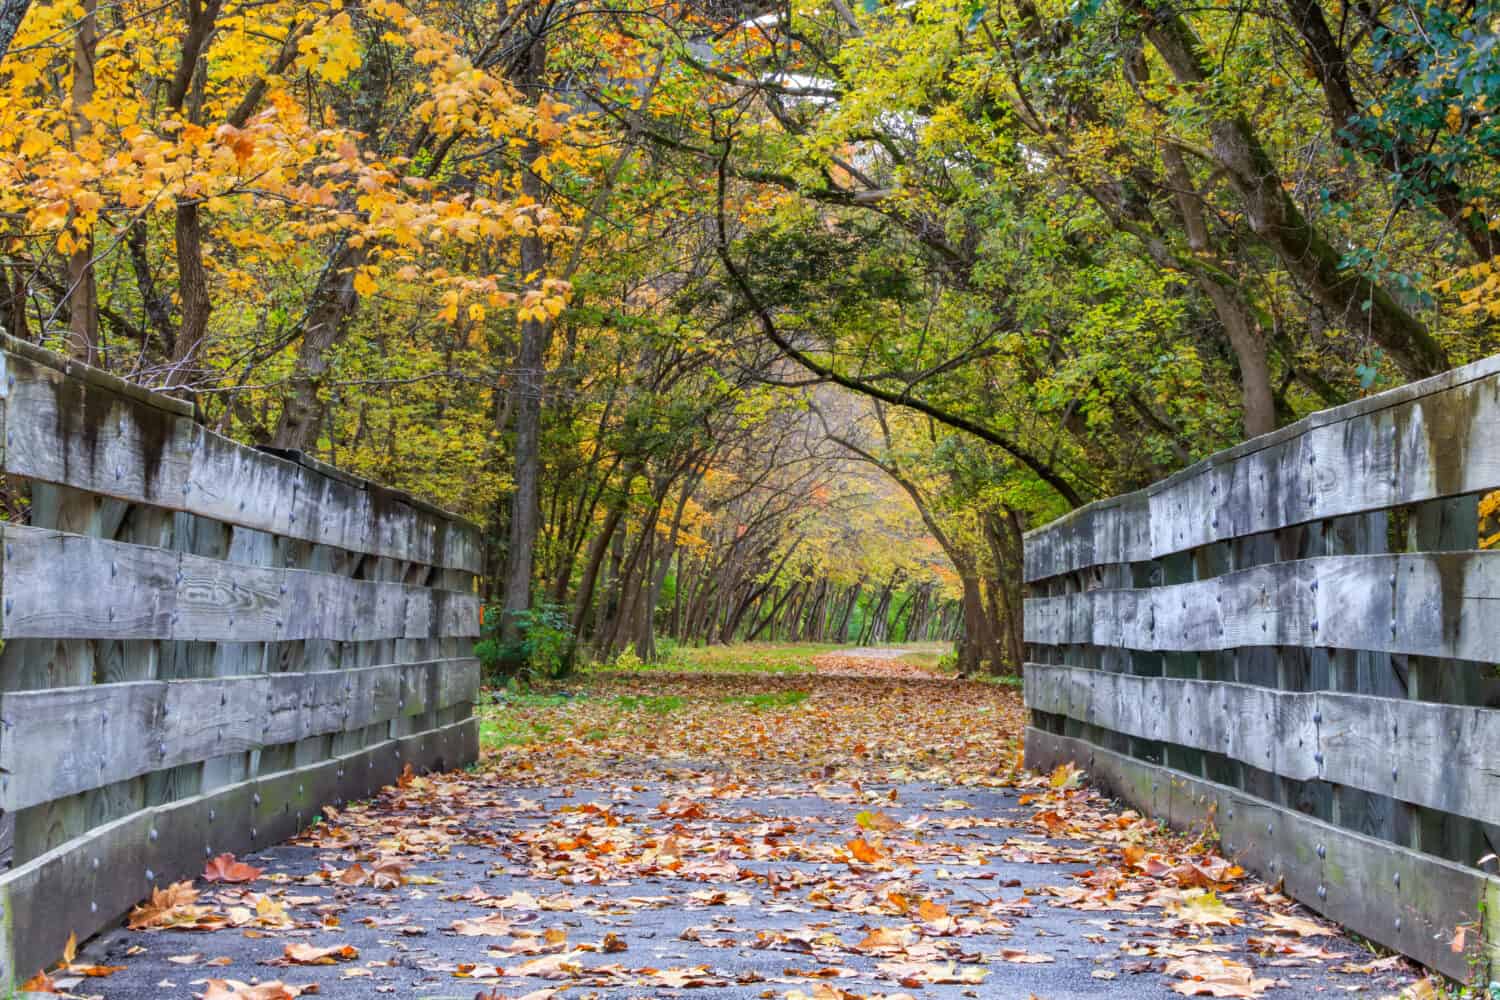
(544, 646)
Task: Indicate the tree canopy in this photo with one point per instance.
(731, 320)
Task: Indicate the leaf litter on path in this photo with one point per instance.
(860, 832)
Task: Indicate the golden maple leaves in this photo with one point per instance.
(285, 172)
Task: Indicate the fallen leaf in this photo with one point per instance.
(233, 989)
(493, 924)
(307, 954)
(1215, 976)
(225, 868)
(1288, 924)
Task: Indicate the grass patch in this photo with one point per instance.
(502, 698)
(773, 699)
(746, 658)
(660, 704)
(509, 717)
(1002, 680)
(503, 729)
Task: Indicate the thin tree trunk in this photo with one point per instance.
(82, 292)
(12, 12)
(843, 629)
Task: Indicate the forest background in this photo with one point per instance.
(734, 320)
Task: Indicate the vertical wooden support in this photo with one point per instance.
(1362, 671)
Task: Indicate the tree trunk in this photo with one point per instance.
(536, 336)
(82, 292)
(11, 14)
(848, 615)
(1358, 302)
(334, 302)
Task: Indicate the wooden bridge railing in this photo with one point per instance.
(1296, 640)
(203, 645)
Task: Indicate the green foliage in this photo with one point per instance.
(656, 704)
(543, 647)
(769, 699)
(749, 658)
(507, 717)
(627, 660)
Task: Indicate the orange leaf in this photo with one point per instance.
(225, 868)
(306, 954)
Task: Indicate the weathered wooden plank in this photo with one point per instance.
(70, 425)
(95, 735)
(1431, 604)
(1389, 746)
(71, 586)
(1436, 438)
(1109, 531)
(89, 882)
(1408, 901)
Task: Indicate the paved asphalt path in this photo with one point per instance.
(407, 950)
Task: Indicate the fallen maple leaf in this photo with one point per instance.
(472, 970)
(885, 939)
(39, 983)
(864, 851)
(233, 989)
(225, 868)
(1202, 908)
(306, 954)
(912, 974)
(551, 967)
(1213, 976)
(876, 820)
(1065, 776)
(931, 912)
(1288, 924)
(678, 979)
(175, 906)
(92, 971)
(1391, 963)
(1425, 989)
(492, 924)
